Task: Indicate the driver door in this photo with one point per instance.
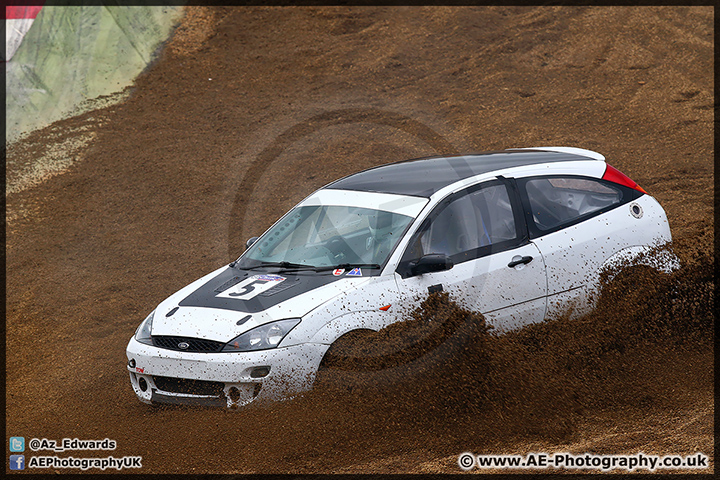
(497, 271)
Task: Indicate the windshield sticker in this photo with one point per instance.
(355, 272)
(251, 287)
(338, 271)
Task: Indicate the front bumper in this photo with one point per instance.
(230, 380)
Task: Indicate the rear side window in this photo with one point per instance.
(555, 202)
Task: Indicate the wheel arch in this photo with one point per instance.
(658, 257)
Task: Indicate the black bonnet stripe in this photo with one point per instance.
(292, 286)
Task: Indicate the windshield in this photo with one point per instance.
(329, 235)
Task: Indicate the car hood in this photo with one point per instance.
(228, 302)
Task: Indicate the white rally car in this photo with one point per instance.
(519, 235)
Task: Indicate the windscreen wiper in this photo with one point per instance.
(283, 265)
(301, 266)
(347, 266)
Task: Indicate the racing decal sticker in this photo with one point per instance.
(338, 271)
(251, 287)
(355, 272)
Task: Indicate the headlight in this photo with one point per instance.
(261, 338)
(142, 334)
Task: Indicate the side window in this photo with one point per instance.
(451, 232)
(467, 226)
(561, 201)
(495, 215)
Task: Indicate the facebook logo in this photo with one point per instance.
(17, 462)
(17, 444)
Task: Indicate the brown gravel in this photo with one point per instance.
(250, 109)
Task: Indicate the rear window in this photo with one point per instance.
(559, 201)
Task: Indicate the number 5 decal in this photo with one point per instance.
(251, 287)
(248, 288)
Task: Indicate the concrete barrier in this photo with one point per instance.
(71, 54)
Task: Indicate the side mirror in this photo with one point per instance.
(250, 241)
(432, 262)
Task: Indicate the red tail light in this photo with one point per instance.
(614, 175)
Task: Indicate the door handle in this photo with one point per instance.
(521, 260)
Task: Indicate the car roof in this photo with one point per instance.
(423, 177)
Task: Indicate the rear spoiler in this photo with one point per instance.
(572, 150)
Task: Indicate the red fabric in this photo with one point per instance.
(13, 12)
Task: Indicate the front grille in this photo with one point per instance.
(193, 387)
(193, 344)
